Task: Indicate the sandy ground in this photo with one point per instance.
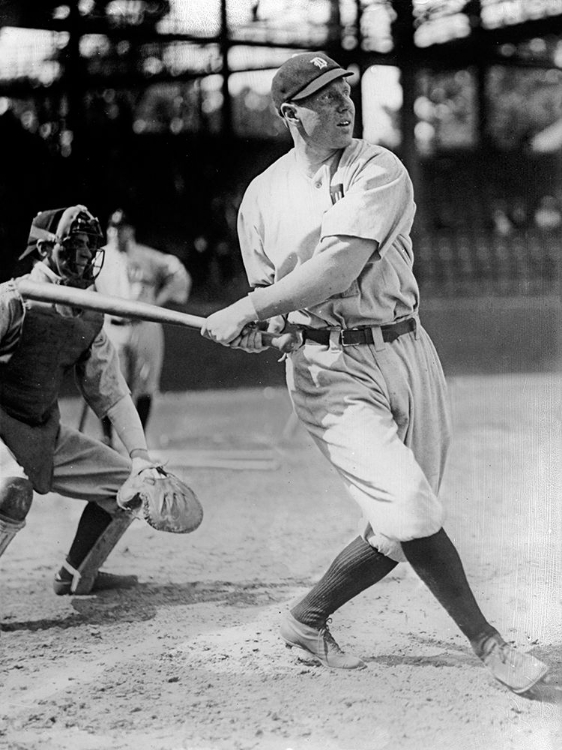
(190, 659)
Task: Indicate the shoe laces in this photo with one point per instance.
(504, 651)
(328, 638)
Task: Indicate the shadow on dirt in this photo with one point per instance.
(459, 659)
(547, 691)
(550, 689)
(143, 602)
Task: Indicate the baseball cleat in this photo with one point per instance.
(519, 672)
(102, 582)
(319, 643)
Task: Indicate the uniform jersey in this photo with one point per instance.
(145, 275)
(370, 196)
(378, 412)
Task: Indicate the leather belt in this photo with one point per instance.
(359, 336)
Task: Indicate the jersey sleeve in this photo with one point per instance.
(99, 377)
(175, 281)
(378, 203)
(12, 313)
(259, 269)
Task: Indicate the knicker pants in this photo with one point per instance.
(380, 415)
(140, 348)
(84, 468)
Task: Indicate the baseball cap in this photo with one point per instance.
(119, 219)
(303, 75)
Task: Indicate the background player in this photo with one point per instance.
(136, 272)
(39, 344)
(325, 233)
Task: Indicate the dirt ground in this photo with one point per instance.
(190, 659)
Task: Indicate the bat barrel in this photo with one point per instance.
(90, 300)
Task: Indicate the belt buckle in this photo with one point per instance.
(343, 342)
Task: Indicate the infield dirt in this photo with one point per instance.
(191, 659)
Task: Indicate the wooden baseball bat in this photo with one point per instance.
(121, 308)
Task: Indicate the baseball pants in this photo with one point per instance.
(83, 469)
(380, 414)
(140, 347)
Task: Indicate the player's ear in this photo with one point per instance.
(45, 248)
(289, 112)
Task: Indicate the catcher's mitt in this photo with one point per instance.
(162, 499)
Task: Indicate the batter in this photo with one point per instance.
(325, 238)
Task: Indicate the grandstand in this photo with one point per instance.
(481, 232)
(163, 106)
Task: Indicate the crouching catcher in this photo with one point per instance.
(39, 344)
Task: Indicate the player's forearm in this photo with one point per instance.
(176, 286)
(126, 421)
(328, 273)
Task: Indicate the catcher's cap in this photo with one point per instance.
(58, 224)
(119, 219)
(303, 75)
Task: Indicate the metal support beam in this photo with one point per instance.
(405, 50)
(362, 67)
(224, 43)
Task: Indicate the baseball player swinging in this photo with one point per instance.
(39, 343)
(325, 239)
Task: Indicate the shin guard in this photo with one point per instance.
(84, 577)
(16, 495)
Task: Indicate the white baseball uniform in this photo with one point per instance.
(146, 275)
(378, 412)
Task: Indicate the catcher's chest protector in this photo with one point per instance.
(30, 382)
(49, 345)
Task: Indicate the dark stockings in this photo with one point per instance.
(144, 405)
(359, 566)
(356, 568)
(437, 562)
(93, 522)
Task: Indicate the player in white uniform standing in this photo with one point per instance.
(39, 344)
(136, 272)
(325, 238)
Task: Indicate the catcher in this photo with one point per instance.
(39, 344)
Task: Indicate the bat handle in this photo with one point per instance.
(285, 342)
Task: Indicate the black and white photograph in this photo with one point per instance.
(281, 375)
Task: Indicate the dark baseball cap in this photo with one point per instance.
(119, 219)
(303, 75)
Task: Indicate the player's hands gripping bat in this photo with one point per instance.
(162, 499)
(232, 326)
(91, 300)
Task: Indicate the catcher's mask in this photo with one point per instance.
(75, 241)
